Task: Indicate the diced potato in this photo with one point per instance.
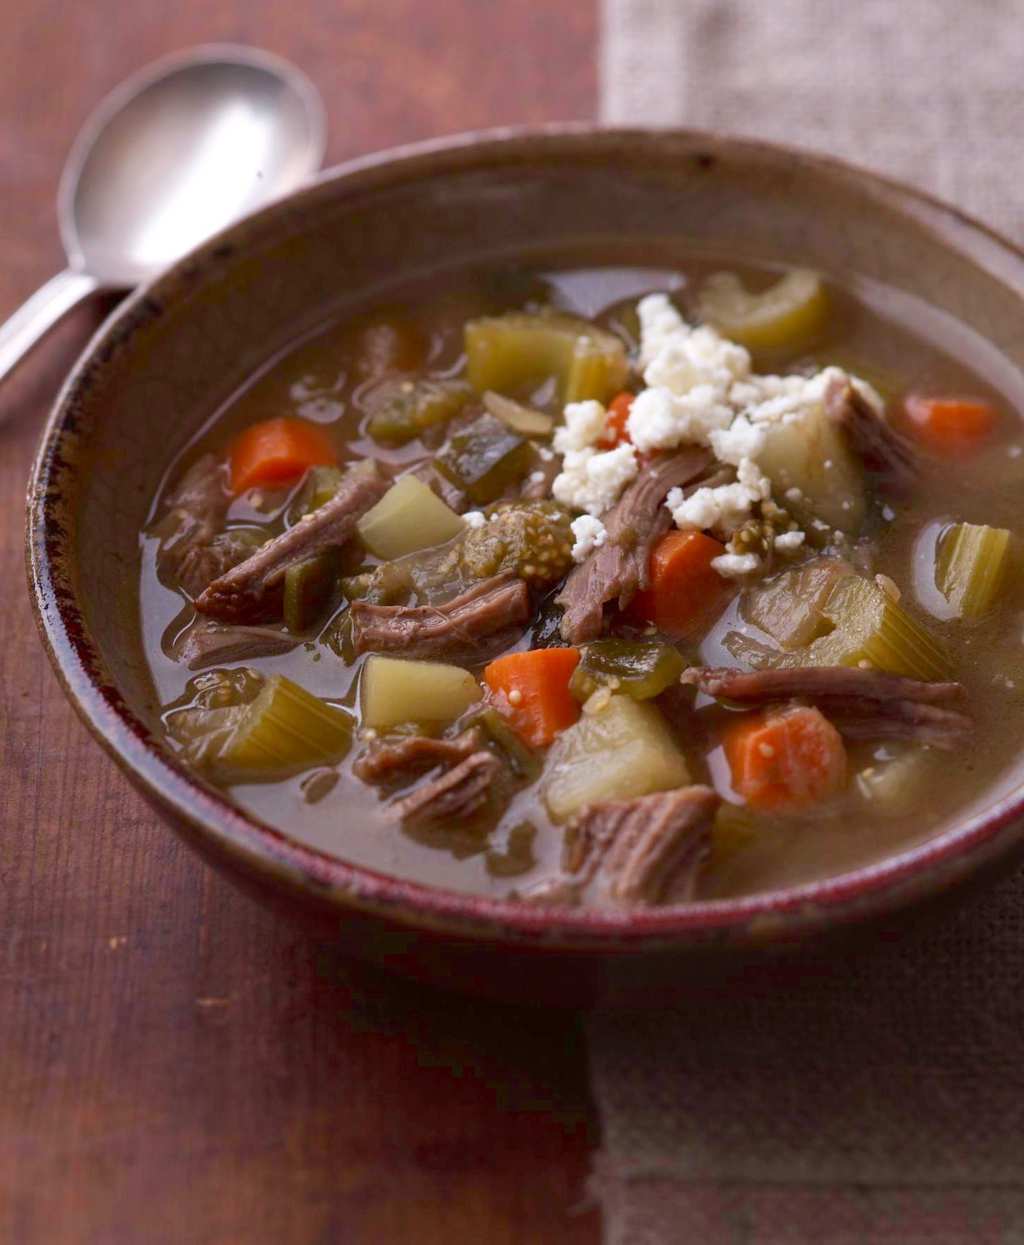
(810, 455)
(517, 352)
(790, 607)
(786, 316)
(971, 567)
(393, 691)
(410, 516)
(617, 750)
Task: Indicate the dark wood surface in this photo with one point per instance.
(175, 1063)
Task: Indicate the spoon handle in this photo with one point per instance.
(34, 318)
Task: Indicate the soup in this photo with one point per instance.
(616, 585)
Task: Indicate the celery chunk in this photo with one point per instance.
(871, 628)
(282, 732)
(971, 567)
(790, 607)
(516, 353)
(786, 316)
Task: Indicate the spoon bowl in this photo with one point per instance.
(180, 151)
(173, 155)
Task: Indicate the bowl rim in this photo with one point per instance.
(258, 848)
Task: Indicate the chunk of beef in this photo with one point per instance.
(194, 513)
(879, 446)
(208, 643)
(643, 851)
(619, 568)
(862, 704)
(458, 793)
(484, 619)
(398, 760)
(251, 591)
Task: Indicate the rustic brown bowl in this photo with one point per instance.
(157, 368)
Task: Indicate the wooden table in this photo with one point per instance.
(176, 1065)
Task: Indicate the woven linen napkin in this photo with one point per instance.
(883, 1099)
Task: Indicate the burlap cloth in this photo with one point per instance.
(881, 1101)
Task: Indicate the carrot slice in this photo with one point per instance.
(615, 430)
(950, 426)
(532, 691)
(278, 450)
(785, 759)
(685, 590)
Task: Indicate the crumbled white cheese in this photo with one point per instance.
(592, 481)
(545, 454)
(474, 518)
(722, 509)
(741, 440)
(589, 534)
(789, 540)
(659, 321)
(661, 420)
(537, 477)
(794, 494)
(583, 427)
(732, 565)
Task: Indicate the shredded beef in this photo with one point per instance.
(194, 513)
(397, 761)
(209, 643)
(643, 851)
(619, 568)
(862, 704)
(457, 793)
(251, 591)
(484, 619)
(881, 448)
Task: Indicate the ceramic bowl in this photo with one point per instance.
(158, 366)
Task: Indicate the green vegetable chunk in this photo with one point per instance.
(530, 539)
(617, 750)
(786, 316)
(869, 626)
(393, 692)
(405, 409)
(409, 517)
(640, 669)
(308, 587)
(516, 353)
(485, 458)
(971, 567)
(790, 607)
(523, 761)
(319, 485)
(279, 731)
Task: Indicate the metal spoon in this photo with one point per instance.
(178, 151)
